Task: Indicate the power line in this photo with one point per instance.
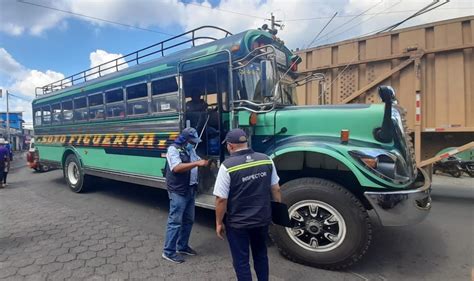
(20, 97)
(420, 12)
(226, 11)
(371, 14)
(321, 31)
(94, 18)
(353, 18)
(356, 25)
(424, 10)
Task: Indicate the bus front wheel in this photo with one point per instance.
(331, 228)
(74, 174)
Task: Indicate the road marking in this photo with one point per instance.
(359, 275)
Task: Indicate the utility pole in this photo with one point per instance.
(8, 119)
(274, 23)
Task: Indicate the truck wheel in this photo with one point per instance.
(73, 174)
(331, 230)
(43, 168)
(456, 174)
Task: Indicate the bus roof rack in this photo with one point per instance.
(134, 58)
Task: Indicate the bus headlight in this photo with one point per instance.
(384, 164)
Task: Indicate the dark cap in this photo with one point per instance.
(236, 136)
(190, 134)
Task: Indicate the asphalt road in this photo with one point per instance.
(439, 248)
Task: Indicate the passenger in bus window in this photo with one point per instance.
(99, 114)
(196, 104)
(196, 110)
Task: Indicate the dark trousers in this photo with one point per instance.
(239, 241)
(4, 177)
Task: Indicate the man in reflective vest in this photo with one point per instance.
(181, 173)
(244, 188)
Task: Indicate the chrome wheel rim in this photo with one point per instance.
(318, 227)
(73, 173)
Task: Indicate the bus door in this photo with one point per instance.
(205, 102)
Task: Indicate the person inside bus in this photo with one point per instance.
(196, 110)
(196, 104)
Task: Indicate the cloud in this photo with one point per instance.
(27, 84)
(9, 66)
(22, 82)
(303, 19)
(100, 57)
(18, 18)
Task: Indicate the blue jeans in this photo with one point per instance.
(180, 222)
(239, 241)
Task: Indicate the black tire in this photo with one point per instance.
(456, 174)
(43, 168)
(75, 178)
(358, 234)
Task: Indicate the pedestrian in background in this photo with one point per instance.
(9, 148)
(245, 185)
(4, 162)
(181, 172)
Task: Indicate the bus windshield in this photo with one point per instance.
(247, 87)
(248, 83)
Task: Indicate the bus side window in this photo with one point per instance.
(96, 107)
(67, 111)
(56, 113)
(164, 95)
(38, 117)
(80, 109)
(115, 104)
(46, 115)
(137, 99)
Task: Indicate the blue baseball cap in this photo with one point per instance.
(236, 136)
(190, 134)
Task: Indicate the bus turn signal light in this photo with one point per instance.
(253, 119)
(344, 136)
(370, 162)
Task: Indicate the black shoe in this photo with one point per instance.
(188, 252)
(173, 258)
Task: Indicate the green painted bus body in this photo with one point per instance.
(308, 128)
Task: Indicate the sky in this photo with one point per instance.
(42, 41)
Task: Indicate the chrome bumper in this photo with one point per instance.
(404, 207)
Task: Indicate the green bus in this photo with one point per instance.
(336, 162)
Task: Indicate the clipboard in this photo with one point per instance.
(280, 214)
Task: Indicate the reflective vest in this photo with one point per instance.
(249, 200)
(178, 182)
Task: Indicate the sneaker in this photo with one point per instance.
(188, 252)
(173, 258)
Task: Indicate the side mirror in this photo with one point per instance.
(267, 79)
(387, 94)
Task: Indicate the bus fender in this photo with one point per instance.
(326, 151)
(71, 150)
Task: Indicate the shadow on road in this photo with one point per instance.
(140, 195)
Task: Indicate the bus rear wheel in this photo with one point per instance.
(331, 228)
(74, 174)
